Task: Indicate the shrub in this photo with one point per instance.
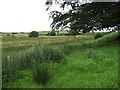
(52, 53)
(98, 35)
(33, 34)
(14, 33)
(27, 58)
(52, 33)
(41, 73)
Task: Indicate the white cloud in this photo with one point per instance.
(23, 16)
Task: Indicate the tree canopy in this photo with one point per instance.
(33, 34)
(86, 17)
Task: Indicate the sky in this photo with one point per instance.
(24, 16)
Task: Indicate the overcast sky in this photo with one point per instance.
(24, 16)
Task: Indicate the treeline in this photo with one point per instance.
(55, 33)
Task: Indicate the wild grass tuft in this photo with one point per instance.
(41, 73)
(91, 53)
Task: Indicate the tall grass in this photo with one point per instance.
(111, 37)
(27, 58)
(41, 73)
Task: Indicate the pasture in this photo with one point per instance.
(22, 41)
(61, 61)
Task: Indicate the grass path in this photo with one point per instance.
(79, 71)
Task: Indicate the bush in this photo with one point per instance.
(52, 33)
(98, 35)
(41, 73)
(33, 34)
(27, 58)
(52, 53)
(14, 33)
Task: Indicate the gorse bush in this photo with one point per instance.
(41, 73)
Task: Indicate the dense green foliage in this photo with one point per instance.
(33, 34)
(86, 17)
(28, 58)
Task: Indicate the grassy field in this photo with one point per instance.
(20, 42)
(83, 62)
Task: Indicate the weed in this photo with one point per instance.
(91, 53)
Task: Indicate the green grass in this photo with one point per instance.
(81, 72)
(20, 43)
(76, 70)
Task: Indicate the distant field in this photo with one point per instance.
(22, 41)
(26, 34)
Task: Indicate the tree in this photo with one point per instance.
(14, 33)
(86, 17)
(52, 33)
(33, 34)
